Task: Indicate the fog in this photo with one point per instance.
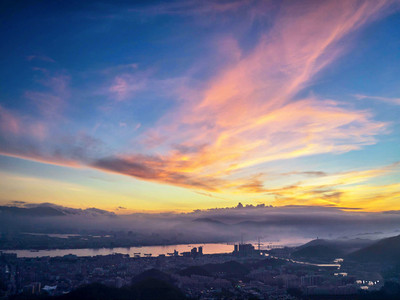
(287, 224)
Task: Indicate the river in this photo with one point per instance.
(153, 250)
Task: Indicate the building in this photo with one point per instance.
(245, 250)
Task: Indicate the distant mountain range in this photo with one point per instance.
(40, 211)
(50, 210)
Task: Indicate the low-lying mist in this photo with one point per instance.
(287, 225)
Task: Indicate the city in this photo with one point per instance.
(246, 273)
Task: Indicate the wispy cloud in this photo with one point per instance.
(351, 188)
(40, 58)
(248, 113)
(193, 7)
(394, 101)
(124, 86)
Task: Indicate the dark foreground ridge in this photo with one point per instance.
(147, 289)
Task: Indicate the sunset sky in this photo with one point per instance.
(183, 105)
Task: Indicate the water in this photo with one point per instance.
(330, 265)
(208, 248)
(153, 250)
(56, 235)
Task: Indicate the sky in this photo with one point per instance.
(179, 105)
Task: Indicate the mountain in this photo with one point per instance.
(148, 289)
(325, 252)
(326, 249)
(155, 289)
(50, 210)
(231, 268)
(316, 242)
(96, 291)
(385, 250)
(194, 270)
(153, 274)
(40, 211)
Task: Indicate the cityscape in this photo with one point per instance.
(248, 272)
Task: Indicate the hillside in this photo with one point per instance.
(319, 252)
(230, 268)
(385, 250)
(329, 249)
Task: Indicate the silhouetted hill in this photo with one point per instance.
(231, 268)
(333, 247)
(153, 274)
(326, 252)
(316, 242)
(385, 250)
(147, 289)
(97, 291)
(51, 210)
(155, 289)
(194, 270)
(269, 262)
(40, 211)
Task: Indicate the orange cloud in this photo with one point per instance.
(248, 114)
(350, 189)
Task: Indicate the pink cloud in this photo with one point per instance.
(125, 85)
(38, 130)
(192, 7)
(48, 105)
(247, 114)
(16, 126)
(51, 102)
(9, 122)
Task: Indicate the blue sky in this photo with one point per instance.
(158, 106)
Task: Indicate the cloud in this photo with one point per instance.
(125, 85)
(307, 173)
(50, 97)
(351, 188)
(48, 105)
(14, 126)
(41, 58)
(285, 223)
(156, 169)
(394, 101)
(9, 122)
(193, 7)
(249, 113)
(253, 186)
